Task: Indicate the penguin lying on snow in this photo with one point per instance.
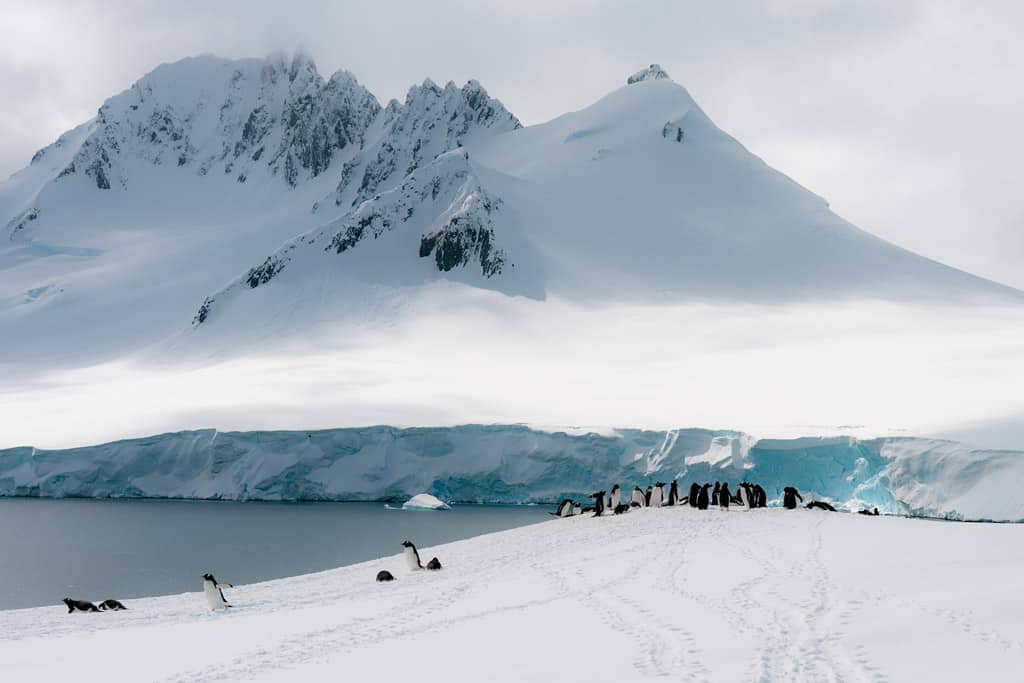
(620, 508)
(80, 605)
(111, 605)
(819, 505)
(434, 564)
(873, 513)
(384, 575)
(214, 594)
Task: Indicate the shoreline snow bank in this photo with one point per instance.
(760, 595)
(517, 464)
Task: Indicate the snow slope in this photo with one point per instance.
(516, 464)
(767, 595)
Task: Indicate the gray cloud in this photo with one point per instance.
(903, 115)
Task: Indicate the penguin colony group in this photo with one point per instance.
(214, 590)
(746, 496)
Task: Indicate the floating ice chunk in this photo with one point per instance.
(424, 501)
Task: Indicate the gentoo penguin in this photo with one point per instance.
(564, 508)
(658, 495)
(760, 496)
(598, 503)
(702, 497)
(819, 505)
(620, 508)
(434, 564)
(715, 493)
(694, 494)
(577, 509)
(724, 497)
(638, 498)
(384, 575)
(214, 595)
(615, 498)
(673, 493)
(412, 558)
(745, 495)
(80, 605)
(868, 512)
(111, 605)
(789, 496)
(647, 496)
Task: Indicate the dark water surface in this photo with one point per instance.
(98, 549)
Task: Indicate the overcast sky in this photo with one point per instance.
(904, 115)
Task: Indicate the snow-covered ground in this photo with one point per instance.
(765, 595)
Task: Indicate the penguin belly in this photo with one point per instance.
(657, 495)
(411, 559)
(214, 597)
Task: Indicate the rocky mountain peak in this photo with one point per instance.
(652, 73)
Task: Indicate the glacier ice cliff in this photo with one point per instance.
(518, 464)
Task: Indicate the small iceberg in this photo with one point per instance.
(424, 501)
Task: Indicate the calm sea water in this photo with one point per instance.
(93, 550)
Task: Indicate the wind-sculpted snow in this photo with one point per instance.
(516, 464)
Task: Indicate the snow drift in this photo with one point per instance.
(517, 464)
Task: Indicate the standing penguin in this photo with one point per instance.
(694, 494)
(702, 497)
(673, 493)
(715, 493)
(598, 503)
(412, 556)
(723, 497)
(615, 498)
(647, 496)
(638, 498)
(577, 509)
(760, 496)
(658, 495)
(789, 496)
(214, 595)
(745, 496)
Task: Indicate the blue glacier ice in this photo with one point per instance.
(519, 464)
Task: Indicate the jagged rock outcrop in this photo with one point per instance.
(207, 114)
(652, 73)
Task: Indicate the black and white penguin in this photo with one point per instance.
(819, 505)
(647, 496)
(673, 493)
(789, 496)
(724, 497)
(638, 499)
(598, 503)
(564, 508)
(715, 493)
(694, 496)
(745, 495)
(384, 575)
(658, 495)
(868, 512)
(702, 497)
(760, 496)
(620, 508)
(577, 509)
(214, 594)
(615, 498)
(412, 556)
(434, 564)
(111, 605)
(80, 605)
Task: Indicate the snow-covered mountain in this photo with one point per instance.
(234, 193)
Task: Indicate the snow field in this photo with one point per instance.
(764, 595)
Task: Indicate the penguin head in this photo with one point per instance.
(208, 577)
(67, 601)
(615, 488)
(599, 494)
(407, 544)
